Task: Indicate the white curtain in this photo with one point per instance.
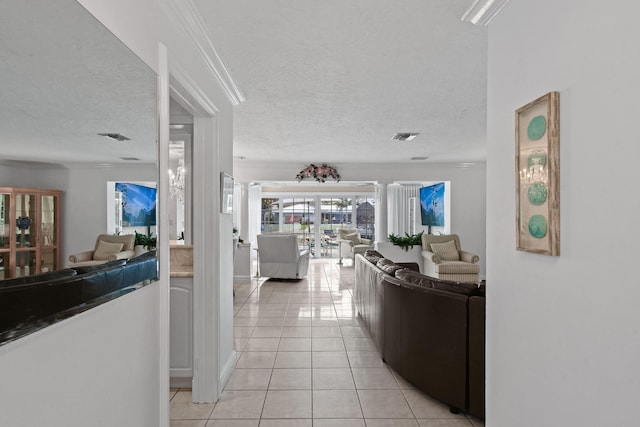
(398, 196)
(255, 209)
(237, 206)
(381, 213)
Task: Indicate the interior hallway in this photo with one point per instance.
(306, 361)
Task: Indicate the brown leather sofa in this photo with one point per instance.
(430, 331)
(32, 302)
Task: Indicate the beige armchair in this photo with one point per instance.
(351, 243)
(279, 256)
(108, 248)
(444, 259)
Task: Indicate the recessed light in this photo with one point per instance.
(405, 136)
(116, 136)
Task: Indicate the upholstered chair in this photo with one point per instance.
(108, 248)
(351, 243)
(444, 259)
(280, 257)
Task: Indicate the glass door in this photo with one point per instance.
(26, 236)
(49, 234)
(5, 238)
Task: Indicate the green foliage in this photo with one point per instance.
(407, 241)
(146, 240)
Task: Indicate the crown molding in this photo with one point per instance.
(183, 88)
(184, 14)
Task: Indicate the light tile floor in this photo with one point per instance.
(306, 360)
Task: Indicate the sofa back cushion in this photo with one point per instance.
(373, 256)
(455, 287)
(388, 266)
(414, 277)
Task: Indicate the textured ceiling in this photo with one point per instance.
(334, 80)
(63, 79)
(326, 81)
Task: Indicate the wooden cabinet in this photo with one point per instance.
(29, 231)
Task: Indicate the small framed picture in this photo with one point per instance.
(538, 176)
(226, 193)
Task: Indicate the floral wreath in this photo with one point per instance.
(319, 173)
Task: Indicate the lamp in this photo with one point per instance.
(481, 12)
(176, 182)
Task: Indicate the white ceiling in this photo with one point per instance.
(63, 79)
(334, 80)
(325, 80)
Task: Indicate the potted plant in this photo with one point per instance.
(144, 242)
(406, 242)
(398, 248)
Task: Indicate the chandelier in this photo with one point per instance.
(536, 170)
(176, 182)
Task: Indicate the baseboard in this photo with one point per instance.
(180, 382)
(227, 370)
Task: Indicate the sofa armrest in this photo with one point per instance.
(469, 257)
(427, 255)
(122, 255)
(365, 241)
(82, 256)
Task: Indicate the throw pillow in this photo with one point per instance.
(106, 250)
(446, 251)
(353, 237)
(388, 266)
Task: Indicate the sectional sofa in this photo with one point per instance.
(33, 302)
(430, 331)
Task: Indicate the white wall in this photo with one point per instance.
(144, 25)
(84, 201)
(93, 369)
(468, 190)
(563, 340)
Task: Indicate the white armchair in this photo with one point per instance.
(280, 257)
(351, 243)
(108, 248)
(444, 259)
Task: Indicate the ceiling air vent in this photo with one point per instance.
(405, 136)
(129, 158)
(116, 136)
(420, 158)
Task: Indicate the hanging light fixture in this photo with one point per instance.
(176, 182)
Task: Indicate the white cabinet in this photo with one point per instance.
(242, 262)
(181, 331)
